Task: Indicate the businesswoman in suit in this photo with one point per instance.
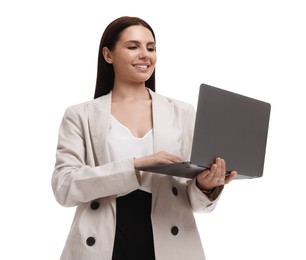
(123, 213)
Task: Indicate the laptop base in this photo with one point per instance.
(183, 170)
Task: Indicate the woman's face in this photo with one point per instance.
(134, 55)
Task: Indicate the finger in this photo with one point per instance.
(211, 175)
(218, 176)
(223, 166)
(214, 171)
(230, 177)
(222, 171)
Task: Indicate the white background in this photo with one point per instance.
(48, 59)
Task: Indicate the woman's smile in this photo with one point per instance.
(141, 67)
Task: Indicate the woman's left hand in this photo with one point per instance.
(215, 176)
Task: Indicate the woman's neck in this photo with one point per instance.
(130, 93)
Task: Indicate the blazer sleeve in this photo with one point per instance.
(199, 201)
(76, 178)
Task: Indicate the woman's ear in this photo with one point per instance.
(107, 55)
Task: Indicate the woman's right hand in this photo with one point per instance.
(161, 157)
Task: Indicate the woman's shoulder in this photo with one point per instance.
(83, 109)
(180, 104)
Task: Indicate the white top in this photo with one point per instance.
(122, 144)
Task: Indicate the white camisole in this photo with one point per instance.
(122, 145)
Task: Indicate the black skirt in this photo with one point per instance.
(134, 236)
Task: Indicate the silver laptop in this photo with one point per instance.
(228, 125)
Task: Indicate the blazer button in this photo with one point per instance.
(90, 241)
(174, 191)
(94, 205)
(174, 230)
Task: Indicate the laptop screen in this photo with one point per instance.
(233, 127)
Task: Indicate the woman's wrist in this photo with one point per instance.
(137, 162)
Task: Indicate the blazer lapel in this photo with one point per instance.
(99, 112)
(163, 113)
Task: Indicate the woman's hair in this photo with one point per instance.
(105, 71)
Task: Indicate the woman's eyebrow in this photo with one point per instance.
(135, 41)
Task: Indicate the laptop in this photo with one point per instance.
(228, 125)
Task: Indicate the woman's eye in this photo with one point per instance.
(132, 47)
(151, 49)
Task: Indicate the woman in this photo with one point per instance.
(123, 213)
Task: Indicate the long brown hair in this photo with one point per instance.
(105, 71)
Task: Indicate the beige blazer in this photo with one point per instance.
(85, 177)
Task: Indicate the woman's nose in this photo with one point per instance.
(144, 54)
